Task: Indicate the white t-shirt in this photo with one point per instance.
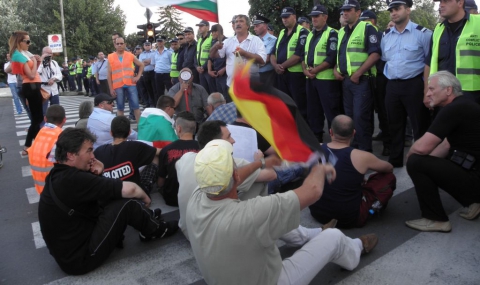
(251, 44)
(234, 242)
(11, 78)
(187, 184)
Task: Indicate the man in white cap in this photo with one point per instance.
(235, 241)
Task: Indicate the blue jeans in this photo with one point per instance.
(16, 100)
(132, 94)
(283, 177)
(54, 100)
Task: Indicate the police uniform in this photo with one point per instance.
(323, 91)
(174, 72)
(149, 75)
(72, 71)
(266, 72)
(458, 50)
(404, 53)
(356, 45)
(201, 60)
(292, 81)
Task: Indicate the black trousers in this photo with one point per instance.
(162, 82)
(86, 84)
(149, 83)
(323, 98)
(108, 232)
(294, 84)
(104, 86)
(268, 78)
(379, 106)
(71, 82)
(405, 97)
(32, 94)
(79, 79)
(430, 173)
(207, 82)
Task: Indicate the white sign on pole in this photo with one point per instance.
(55, 43)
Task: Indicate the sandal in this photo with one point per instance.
(24, 152)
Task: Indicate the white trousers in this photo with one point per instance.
(319, 248)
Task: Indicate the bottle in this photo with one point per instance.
(376, 206)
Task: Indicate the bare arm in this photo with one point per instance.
(109, 80)
(266, 175)
(312, 187)
(248, 55)
(248, 169)
(141, 66)
(294, 59)
(425, 145)
(426, 73)
(442, 149)
(363, 161)
(132, 190)
(30, 73)
(178, 96)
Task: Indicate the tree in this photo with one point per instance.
(132, 40)
(424, 14)
(170, 22)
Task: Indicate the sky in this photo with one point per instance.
(226, 10)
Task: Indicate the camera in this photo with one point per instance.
(46, 61)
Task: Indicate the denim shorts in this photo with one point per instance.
(131, 91)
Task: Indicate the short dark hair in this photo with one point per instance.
(165, 101)
(55, 114)
(71, 141)
(120, 127)
(187, 121)
(117, 34)
(209, 131)
(343, 126)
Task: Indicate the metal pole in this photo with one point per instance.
(64, 39)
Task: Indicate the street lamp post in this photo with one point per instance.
(64, 39)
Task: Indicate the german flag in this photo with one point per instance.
(275, 116)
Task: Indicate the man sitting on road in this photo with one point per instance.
(100, 121)
(80, 234)
(342, 199)
(122, 158)
(217, 109)
(43, 144)
(234, 242)
(447, 156)
(156, 124)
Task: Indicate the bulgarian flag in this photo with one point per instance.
(202, 9)
(156, 126)
(18, 60)
(275, 116)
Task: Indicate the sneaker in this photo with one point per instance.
(165, 229)
(330, 225)
(427, 225)
(471, 212)
(369, 242)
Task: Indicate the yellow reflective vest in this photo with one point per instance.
(320, 54)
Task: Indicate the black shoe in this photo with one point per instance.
(378, 137)
(386, 151)
(165, 229)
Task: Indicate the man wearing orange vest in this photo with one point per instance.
(121, 77)
(43, 144)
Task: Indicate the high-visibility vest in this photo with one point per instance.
(356, 51)
(203, 49)
(122, 71)
(291, 46)
(89, 72)
(72, 69)
(79, 66)
(320, 54)
(37, 155)
(173, 68)
(467, 53)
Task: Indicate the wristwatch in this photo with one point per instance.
(263, 162)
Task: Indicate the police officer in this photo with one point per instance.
(304, 22)
(181, 49)
(323, 91)
(260, 26)
(455, 47)
(404, 49)
(286, 59)
(204, 44)
(148, 59)
(471, 6)
(78, 76)
(358, 51)
(72, 71)
(174, 72)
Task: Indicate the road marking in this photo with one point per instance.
(26, 171)
(37, 235)
(32, 195)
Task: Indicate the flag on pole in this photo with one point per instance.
(203, 9)
(275, 116)
(156, 126)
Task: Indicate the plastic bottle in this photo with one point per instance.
(376, 206)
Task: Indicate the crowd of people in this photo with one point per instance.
(97, 178)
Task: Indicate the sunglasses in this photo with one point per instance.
(119, 44)
(26, 41)
(109, 102)
(180, 39)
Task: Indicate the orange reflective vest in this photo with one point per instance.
(122, 71)
(37, 155)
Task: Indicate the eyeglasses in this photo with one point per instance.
(108, 102)
(119, 44)
(180, 39)
(26, 41)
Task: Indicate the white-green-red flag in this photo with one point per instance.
(202, 9)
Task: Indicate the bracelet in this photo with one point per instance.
(263, 162)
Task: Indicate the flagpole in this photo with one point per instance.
(64, 40)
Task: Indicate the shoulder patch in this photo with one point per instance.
(373, 39)
(421, 28)
(386, 32)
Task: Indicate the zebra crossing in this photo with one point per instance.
(403, 256)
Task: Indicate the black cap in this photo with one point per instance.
(73, 59)
(260, 20)
(203, 23)
(367, 14)
(102, 97)
(233, 19)
(470, 4)
(161, 38)
(396, 3)
(138, 47)
(174, 40)
(147, 43)
(302, 20)
(179, 34)
(270, 27)
(188, 30)
(287, 11)
(349, 4)
(318, 10)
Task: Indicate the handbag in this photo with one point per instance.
(45, 95)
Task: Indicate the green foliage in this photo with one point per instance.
(424, 14)
(132, 40)
(170, 22)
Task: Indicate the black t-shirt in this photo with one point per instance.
(459, 122)
(262, 143)
(166, 167)
(67, 237)
(123, 160)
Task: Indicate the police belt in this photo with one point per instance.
(400, 80)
